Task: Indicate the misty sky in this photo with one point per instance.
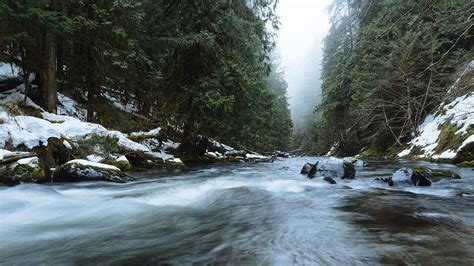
(304, 24)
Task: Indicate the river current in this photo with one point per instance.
(265, 214)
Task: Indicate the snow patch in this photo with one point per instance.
(460, 113)
(93, 164)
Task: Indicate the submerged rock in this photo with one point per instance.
(329, 180)
(82, 170)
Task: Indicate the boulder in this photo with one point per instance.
(313, 170)
(422, 176)
(330, 167)
(336, 168)
(306, 168)
(143, 160)
(82, 170)
(22, 170)
(409, 176)
(436, 175)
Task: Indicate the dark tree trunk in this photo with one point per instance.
(48, 73)
(92, 86)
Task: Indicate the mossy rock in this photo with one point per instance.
(139, 159)
(75, 171)
(123, 165)
(436, 175)
(448, 139)
(465, 154)
(467, 164)
(16, 173)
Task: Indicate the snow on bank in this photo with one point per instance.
(459, 113)
(33, 131)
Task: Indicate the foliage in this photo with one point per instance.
(200, 66)
(387, 64)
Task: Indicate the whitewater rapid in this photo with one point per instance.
(240, 214)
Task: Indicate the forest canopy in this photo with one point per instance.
(201, 68)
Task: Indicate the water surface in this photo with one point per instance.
(248, 213)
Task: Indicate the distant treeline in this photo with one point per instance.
(202, 67)
(386, 65)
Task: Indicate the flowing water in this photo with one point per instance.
(262, 213)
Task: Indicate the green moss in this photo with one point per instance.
(371, 153)
(393, 151)
(15, 173)
(123, 165)
(448, 139)
(441, 111)
(466, 164)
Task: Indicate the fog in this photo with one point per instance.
(304, 24)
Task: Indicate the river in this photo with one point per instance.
(265, 213)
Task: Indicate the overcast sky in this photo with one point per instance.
(304, 23)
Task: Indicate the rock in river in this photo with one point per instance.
(21, 170)
(82, 170)
(421, 176)
(330, 167)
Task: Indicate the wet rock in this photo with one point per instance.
(467, 164)
(358, 163)
(82, 170)
(313, 170)
(330, 167)
(329, 180)
(349, 171)
(409, 176)
(336, 168)
(24, 170)
(436, 175)
(387, 180)
(306, 168)
(422, 176)
(465, 154)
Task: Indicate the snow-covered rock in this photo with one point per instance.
(452, 121)
(24, 170)
(83, 170)
(330, 167)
